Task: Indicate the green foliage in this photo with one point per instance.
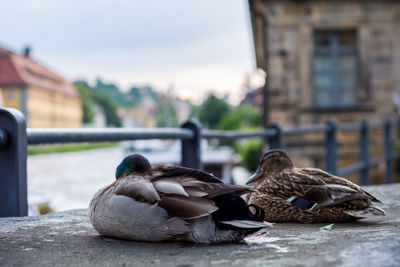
(129, 99)
(241, 118)
(166, 113)
(87, 108)
(212, 110)
(244, 118)
(250, 152)
(101, 95)
(109, 97)
(194, 111)
(48, 149)
(109, 108)
(137, 94)
(327, 227)
(112, 92)
(144, 91)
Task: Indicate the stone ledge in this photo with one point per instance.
(68, 239)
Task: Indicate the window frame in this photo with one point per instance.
(335, 51)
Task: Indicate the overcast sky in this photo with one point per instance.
(193, 46)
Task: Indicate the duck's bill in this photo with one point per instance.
(255, 176)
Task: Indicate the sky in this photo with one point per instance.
(188, 47)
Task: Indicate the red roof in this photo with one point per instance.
(19, 70)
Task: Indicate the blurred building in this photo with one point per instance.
(45, 98)
(328, 60)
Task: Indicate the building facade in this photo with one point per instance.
(44, 97)
(328, 60)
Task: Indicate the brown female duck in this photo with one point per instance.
(306, 195)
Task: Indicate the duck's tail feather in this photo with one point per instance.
(369, 211)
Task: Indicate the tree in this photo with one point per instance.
(113, 92)
(244, 117)
(137, 94)
(250, 152)
(194, 111)
(241, 118)
(212, 110)
(109, 108)
(166, 113)
(87, 107)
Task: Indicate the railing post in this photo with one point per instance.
(331, 147)
(13, 184)
(364, 153)
(276, 140)
(191, 149)
(388, 151)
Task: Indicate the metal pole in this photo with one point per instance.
(276, 140)
(331, 147)
(388, 151)
(191, 148)
(364, 153)
(13, 184)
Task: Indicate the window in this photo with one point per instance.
(335, 69)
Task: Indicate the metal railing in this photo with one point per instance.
(15, 137)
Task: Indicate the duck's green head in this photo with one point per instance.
(135, 163)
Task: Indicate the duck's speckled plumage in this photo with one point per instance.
(306, 195)
(172, 203)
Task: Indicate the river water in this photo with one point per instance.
(68, 180)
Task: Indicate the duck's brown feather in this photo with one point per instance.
(187, 207)
(309, 184)
(139, 189)
(177, 171)
(182, 195)
(332, 179)
(330, 197)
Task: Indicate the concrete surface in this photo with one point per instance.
(68, 239)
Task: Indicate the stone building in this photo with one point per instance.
(44, 97)
(328, 60)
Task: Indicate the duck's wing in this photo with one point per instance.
(198, 183)
(188, 197)
(336, 180)
(178, 171)
(206, 186)
(168, 194)
(137, 188)
(308, 191)
(182, 196)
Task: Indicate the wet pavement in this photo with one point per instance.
(68, 239)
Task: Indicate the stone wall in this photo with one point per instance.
(290, 51)
(285, 30)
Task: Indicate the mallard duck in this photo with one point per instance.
(306, 195)
(173, 203)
